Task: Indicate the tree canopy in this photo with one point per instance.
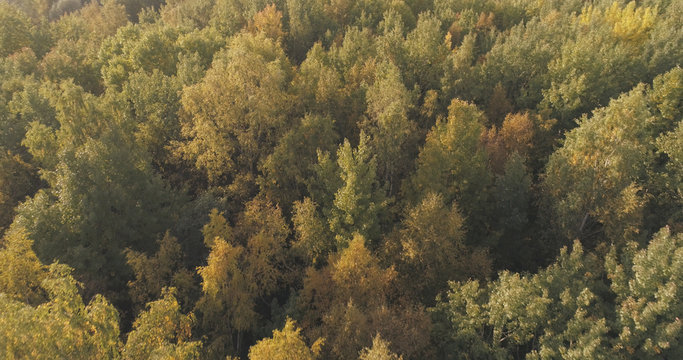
(341, 179)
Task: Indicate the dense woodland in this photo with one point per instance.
(341, 179)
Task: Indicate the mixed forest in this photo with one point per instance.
(341, 179)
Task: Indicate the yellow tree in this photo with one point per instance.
(244, 265)
(286, 344)
(62, 327)
(229, 138)
(379, 351)
(268, 21)
(162, 331)
(348, 301)
(21, 273)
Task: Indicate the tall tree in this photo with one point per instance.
(15, 31)
(378, 351)
(241, 269)
(454, 163)
(227, 139)
(286, 171)
(393, 136)
(102, 197)
(647, 287)
(21, 273)
(348, 302)
(154, 273)
(596, 177)
(434, 251)
(360, 203)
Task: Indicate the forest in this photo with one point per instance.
(341, 179)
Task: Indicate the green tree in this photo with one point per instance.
(154, 101)
(153, 273)
(15, 31)
(392, 134)
(647, 287)
(229, 16)
(559, 312)
(433, 249)
(27, 102)
(599, 62)
(319, 87)
(667, 175)
(183, 13)
(513, 196)
(426, 54)
(102, 196)
(306, 25)
(454, 163)
(660, 49)
(519, 60)
(314, 240)
(595, 178)
(134, 48)
(289, 167)
(17, 181)
(360, 203)
(671, 144)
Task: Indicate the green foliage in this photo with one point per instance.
(359, 204)
(314, 241)
(102, 197)
(519, 60)
(648, 288)
(513, 199)
(425, 53)
(288, 168)
(392, 134)
(154, 273)
(153, 101)
(596, 175)
(433, 249)
(17, 180)
(306, 25)
(136, 48)
(566, 309)
(15, 31)
(453, 163)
